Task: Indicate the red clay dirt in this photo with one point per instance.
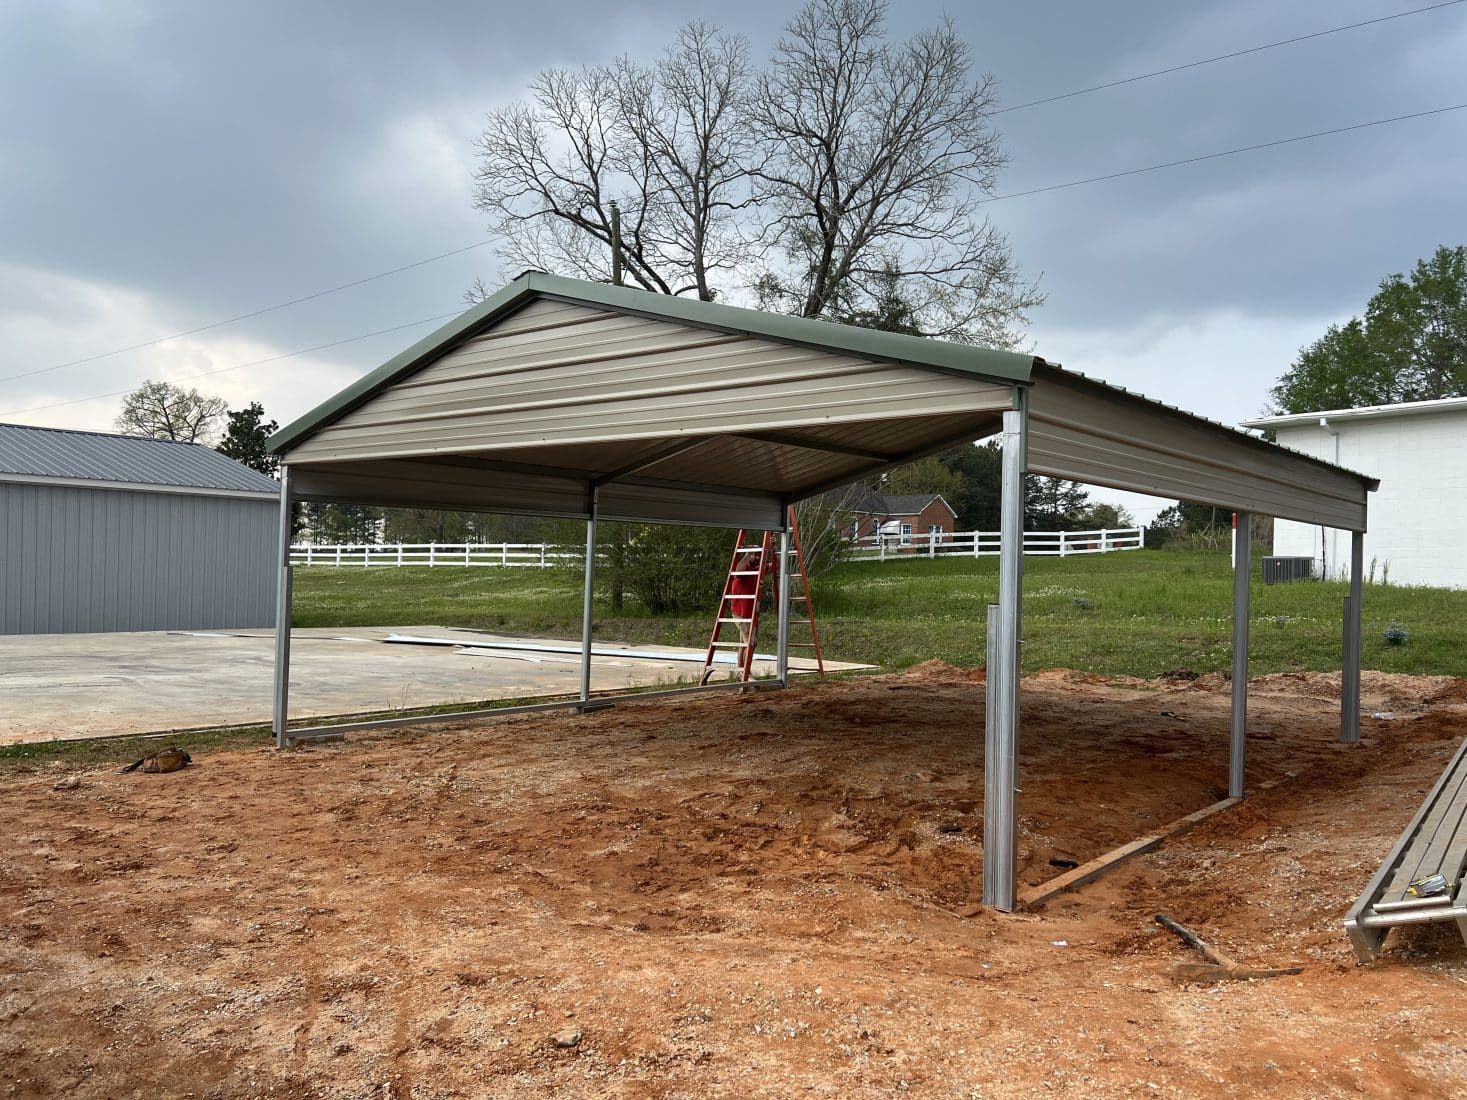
(734, 896)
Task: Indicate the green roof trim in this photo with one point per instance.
(916, 351)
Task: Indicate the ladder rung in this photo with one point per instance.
(730, 645)
(804, 645)
(736, 620)
(744, 573)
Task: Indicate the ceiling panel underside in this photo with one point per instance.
(720, 480)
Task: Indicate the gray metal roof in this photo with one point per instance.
(1362, 412)
(909, 505)
(52, 453)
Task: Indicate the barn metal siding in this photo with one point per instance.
(80, 560)
(555, 373)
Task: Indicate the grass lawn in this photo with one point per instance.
(1149, 611)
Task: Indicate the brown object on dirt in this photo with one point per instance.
(1218, 968)
(166, 760)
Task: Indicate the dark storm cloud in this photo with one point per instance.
(214, 158)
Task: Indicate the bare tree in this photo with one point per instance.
(879, 156)
(661, 141)
(160, 410)
(842, 181)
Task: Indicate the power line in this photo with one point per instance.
(1225, 57)
(242, 366)
(995, 198)
(246, 316)
(481, 244)
(1225, 153)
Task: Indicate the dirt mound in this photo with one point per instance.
(937, 671)
(1454, 690)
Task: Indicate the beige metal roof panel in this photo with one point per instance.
(1006, 368)
(578, 375)
(1083, 430)
(419, 484)
(748, 463)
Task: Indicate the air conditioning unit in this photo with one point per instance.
(1282, 570)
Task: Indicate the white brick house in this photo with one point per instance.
(1418, 518)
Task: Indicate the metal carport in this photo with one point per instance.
(558, 397)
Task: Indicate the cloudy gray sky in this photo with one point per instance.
(167, 165)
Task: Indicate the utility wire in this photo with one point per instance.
(1225, 57)
(481, 244)
(247, 316)
(242, 366)
(995, 198)
(1224, 153)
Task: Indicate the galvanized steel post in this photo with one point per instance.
(1242, 579)
(587, 597)
(1001, 741)
(1351, 650)
(280, 710)
(782, 652)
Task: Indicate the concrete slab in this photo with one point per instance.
(71, 686)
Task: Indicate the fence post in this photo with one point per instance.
(432, 554)
(881, 546)
(1141, 538)
(1062, 544)
(399, 553)
(504, 553)
(932, 544)
(1104, 540)
(542, 555)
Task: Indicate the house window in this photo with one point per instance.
(935, 529)
(906, 534)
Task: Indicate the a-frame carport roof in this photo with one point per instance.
(558, 397)
(674, 410)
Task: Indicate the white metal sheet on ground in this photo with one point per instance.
(642, 655)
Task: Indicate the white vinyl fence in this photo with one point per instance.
(534, 554)
(974, 544)
(873, 548)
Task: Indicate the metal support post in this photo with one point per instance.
(1351, 650)
(280, 711)
(1242, 579)
(1001, 740)
(588, 597)
(782, 652)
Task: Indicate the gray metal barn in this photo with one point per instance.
(559, 397)
(107, 533)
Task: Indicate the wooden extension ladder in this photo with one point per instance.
(763, 568)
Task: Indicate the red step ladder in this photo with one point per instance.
(739, 605)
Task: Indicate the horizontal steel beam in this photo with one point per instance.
(316, 733)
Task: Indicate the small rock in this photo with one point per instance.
(568, 1039)
(949, 827)
(70, 783)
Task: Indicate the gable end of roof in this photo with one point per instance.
(916, 351)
